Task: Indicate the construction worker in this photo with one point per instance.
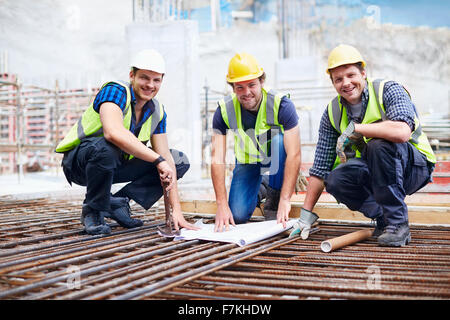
(371, 151)
(266, 138)
(108, 145)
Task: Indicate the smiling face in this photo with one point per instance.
(249, 93)
(349, 82)
(145, 83)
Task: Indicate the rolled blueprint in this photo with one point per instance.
(345, 240)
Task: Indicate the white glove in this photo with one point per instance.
(302, 228)
(303, 225)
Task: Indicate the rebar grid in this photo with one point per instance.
(44, 254)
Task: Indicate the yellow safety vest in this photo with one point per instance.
(376, 112)
(89, 125)
(252, 146)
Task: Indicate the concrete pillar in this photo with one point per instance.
(177, 41)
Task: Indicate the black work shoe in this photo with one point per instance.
(270, 214)
(271, 204)
(396, 235)
(121, 213)
(93, 221)
(379, 229)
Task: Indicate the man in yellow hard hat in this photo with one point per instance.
(108, 145)
(371, 151)
(267, 138)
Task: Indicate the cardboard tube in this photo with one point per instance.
(345, 240)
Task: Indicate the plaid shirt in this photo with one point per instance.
(398, 107)
(117, 94)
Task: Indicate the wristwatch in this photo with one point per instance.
(158, 160)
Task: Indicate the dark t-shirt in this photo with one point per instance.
(354, 112)
(287, 117)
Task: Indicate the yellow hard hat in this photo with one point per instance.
(344, 54)
(243, 67)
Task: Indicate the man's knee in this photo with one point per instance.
(340, 176)
(384, 160)
(181, 162)
(331, 183)
(380, 148)
(346, 183)
(99, 153)
(240, 214)
(241, 207)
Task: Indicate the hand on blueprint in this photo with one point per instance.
(284, 207)
(179, 221)
(223, 218)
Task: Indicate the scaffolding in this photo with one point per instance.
(33, 120)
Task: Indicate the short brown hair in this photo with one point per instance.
(260, 78)
(359, 65)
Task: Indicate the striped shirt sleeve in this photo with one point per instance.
(112, 92)
(161, 128)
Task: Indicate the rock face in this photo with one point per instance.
(418, 57)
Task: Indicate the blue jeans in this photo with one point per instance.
(247, 180)
(377, 184)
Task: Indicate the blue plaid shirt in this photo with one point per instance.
(398, 107)
(117, 94)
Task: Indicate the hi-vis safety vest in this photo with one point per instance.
(89, 125)
(252, 146)
(376, 112)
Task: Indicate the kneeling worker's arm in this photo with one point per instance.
(224, 217)
(114, 131)
(394, 131)
(291, 141)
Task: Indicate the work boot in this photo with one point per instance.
(396, 235)
(93, 221)
(381, 224)
(121, 213)
(271, 204)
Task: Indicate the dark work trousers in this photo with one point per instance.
(378, 182)
(97, 164)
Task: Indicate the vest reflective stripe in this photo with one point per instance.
(89, 124)
(378, 86)
(270, 117)
(376, 112)
(252, 146)
(150, 125)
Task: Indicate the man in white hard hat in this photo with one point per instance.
(371, 151)
(108, 145)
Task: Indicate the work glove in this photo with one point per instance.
(347, 138)
(301, 183)
(303, 225)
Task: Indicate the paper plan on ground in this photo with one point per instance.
(240, 234)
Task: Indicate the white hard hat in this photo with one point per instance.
(149, 59)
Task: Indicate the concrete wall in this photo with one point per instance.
(177, 41)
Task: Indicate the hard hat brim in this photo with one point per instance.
(343, 63)
(245, 78)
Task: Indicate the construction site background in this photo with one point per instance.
(56, 54)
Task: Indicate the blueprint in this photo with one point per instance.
(241, 234)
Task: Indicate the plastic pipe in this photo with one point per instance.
(345, 240)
